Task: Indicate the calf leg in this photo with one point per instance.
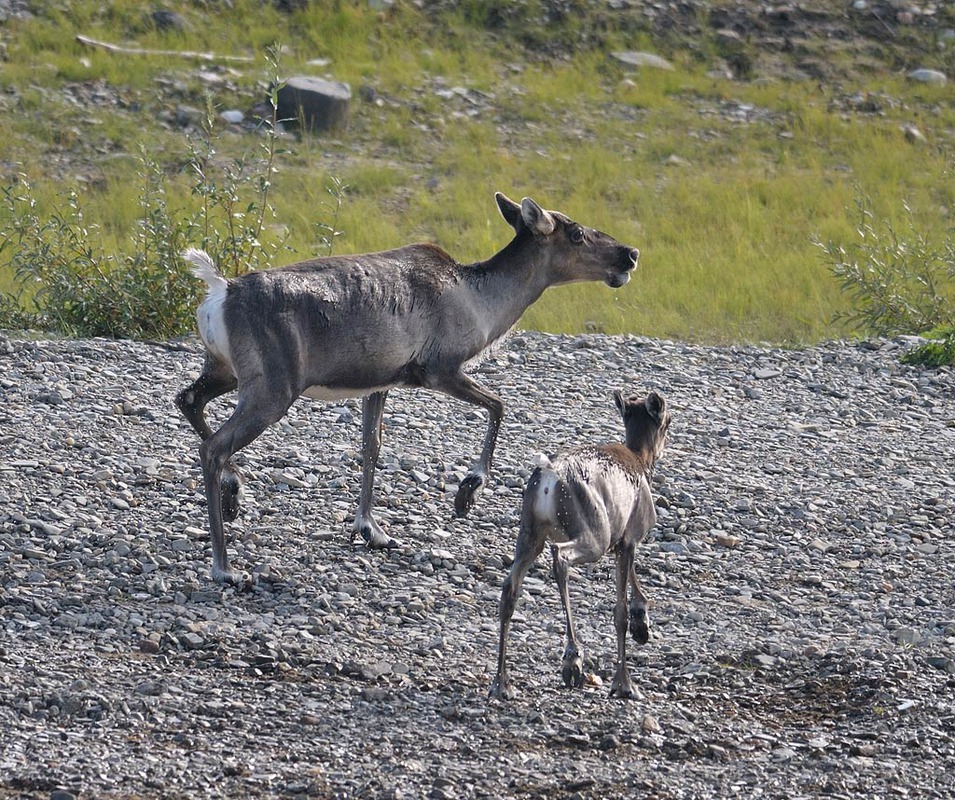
(257, 408)
(572, 663)
(529, 547)
(460, 386)
(216, 379)
(567, 554)
(372, 412)
(639, 611)
(622, 686)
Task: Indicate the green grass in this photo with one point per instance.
(724, 211)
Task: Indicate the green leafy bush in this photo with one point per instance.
(55, 264)
(66, 282)
(939, 351)
(76, 288)
(899, 283)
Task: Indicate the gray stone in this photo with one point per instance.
(639, 59)
(314, 103)
(766, 373)
(166, 20)
(930, 76)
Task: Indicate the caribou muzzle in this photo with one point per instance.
(617, 279)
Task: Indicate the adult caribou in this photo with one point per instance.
(361, 325)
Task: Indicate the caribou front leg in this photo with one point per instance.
(372, 411)
(461, 387)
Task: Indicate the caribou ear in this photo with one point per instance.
(510, 210)
(535, 218)
(656, 405)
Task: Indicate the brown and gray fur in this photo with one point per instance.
(361, 325)
(588, 502)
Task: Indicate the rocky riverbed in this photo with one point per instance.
(801, 574)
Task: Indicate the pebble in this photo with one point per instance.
(799, 577)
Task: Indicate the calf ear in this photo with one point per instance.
(510, 210)
(620, 402)
(535, 218)
(656, 405)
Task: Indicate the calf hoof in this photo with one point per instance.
(468, 493)
(572, 671)
(240, 581)
(640, 625)
(230, 490)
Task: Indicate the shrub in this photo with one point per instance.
(78, 289)
(898, 283)
(939, 351)
(55, 265)
(75, 288)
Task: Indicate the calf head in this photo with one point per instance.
(646, 421)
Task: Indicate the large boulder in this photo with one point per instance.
(316, 104)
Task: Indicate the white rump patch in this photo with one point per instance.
(212, 327)
(545, 495)
(210, 315)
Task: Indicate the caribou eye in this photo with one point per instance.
(577, 235)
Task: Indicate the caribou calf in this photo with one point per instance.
(361, 325)
(586, 503)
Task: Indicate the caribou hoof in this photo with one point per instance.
(501, 689)
(468, 493)
(622, 686)
(230, 490)
(640, 625)
(375, 538)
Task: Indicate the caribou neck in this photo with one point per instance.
(507, 283)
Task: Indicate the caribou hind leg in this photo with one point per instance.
(588, 538)
(215, 380)
(622, 685)
(572, 663)
(530, 544)
(258, 406)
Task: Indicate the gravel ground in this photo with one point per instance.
(801, 575)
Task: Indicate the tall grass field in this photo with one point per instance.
(727, 186)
